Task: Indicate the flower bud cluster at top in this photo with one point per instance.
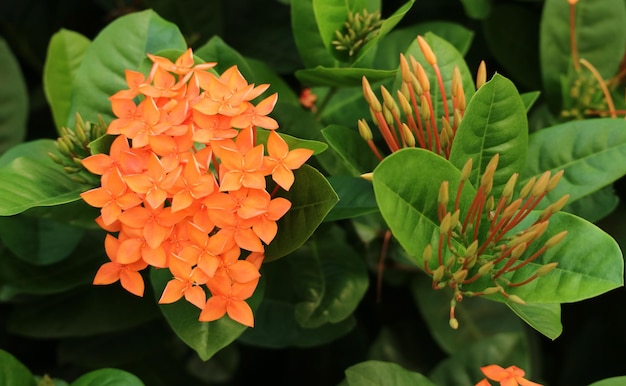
(184, 184)
(360, 28)
(410, 120)
(463, 256)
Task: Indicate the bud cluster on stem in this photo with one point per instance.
(464, 254)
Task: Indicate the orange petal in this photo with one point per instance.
(276, 147)
(265, 229)
(196, 296)
(132, 282)
(129, 251)
(243, 271)
(173, 291)
(297, 157)
(156, 257)
(494, 372)
(98, 163)
(214, 309)
(107, 273)
(247, 239)
(483, 382)
(240, 311)
(283, 176)
(97, 197)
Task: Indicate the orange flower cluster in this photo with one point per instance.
(184, 184)
(511, 376)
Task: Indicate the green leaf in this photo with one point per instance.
(329, 279)
(376, 373)
(478, 318)
(65, 54)
(545, 318)
(13, 372)
(101, 145)
(216, 50)
(107, 377)
(614, 381)
(591, 152)
(293, 142)
(494, 123)
(356, 198)
(82, 312)
(307, 35)
(13, 100)
(205, 338)
(341, 77)
(594, 206)
(357, 156)
(602, 44)
(311, 198)
(529, 99)
(121, 45)
(34, 182)
(38, 241)
(477, 9)
(408, 202)
(463, 367)
(37, 150)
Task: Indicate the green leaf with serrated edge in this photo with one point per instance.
(329, 278)
(591, 152)
(275, 320)
(529, 99)
(494, 123)
(406, 185)
(545, 318)
(65, 54)
(293, 142)
(306, 34)
(447, 58)
(107, 377)
(205, 338)
(377, 373)
(13, 372)
(590, 263)
(614, 381)
(355, 152)
(477, 9)
(356, 198)
(311, 198)
(84, 311)
(478, 318)
(121, 45)
(341, 77)
(602, 44)
(38, 241)
(463, 367)
(29, 183)
(13, 100)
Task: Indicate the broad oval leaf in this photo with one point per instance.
(205, 338)
(65, 54)
(307, 36)
(311, 198)
(341, 77)
(494, 123)
(13, 100)
(545, 318)
(356, 198)
(121, 45)
(357, 156)
(13, 372)
(107, 377)
(377, 373)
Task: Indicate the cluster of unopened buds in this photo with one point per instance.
(411, 121)
(463, 256)
(184, 184)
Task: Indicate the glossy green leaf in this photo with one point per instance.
(614, 381)
(37, 150)
(463, 367)
(307, 36)
(82, 312)
(407, 193)
(13, 372)
(341, 77)
(102, 144)
(356, 198)
(347, 105)
(293, 142)
(592, 154)
(529, 99)
(121, 45)
(478, 318)
(311, 198)
(602, 44)
(34, 182)
(38, 241)
(545, 318)
(65, 54)
(494, 123)
(107, 377)
(357, 156)
(205, 338)
(594, 206)
(13, 100)
(377, 373)
(329, 279)
(477, 9)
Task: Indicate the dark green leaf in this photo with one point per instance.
(311, 198)
(293, 142)
(494, 123)
(206, 338)
(65, 54)
(477, 9)
(307, 35)
(102, 144)
(341, 77)
(614, 381)
(13, 372)
(545, 318)
(13, 100)
(104, 377)
(376, 373)
(529, 99)
(594, 206)
(216, 50)
(357, 156)
(356, 198)
(122, 45)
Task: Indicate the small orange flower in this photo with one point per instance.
(511, 376)
(281, 161)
